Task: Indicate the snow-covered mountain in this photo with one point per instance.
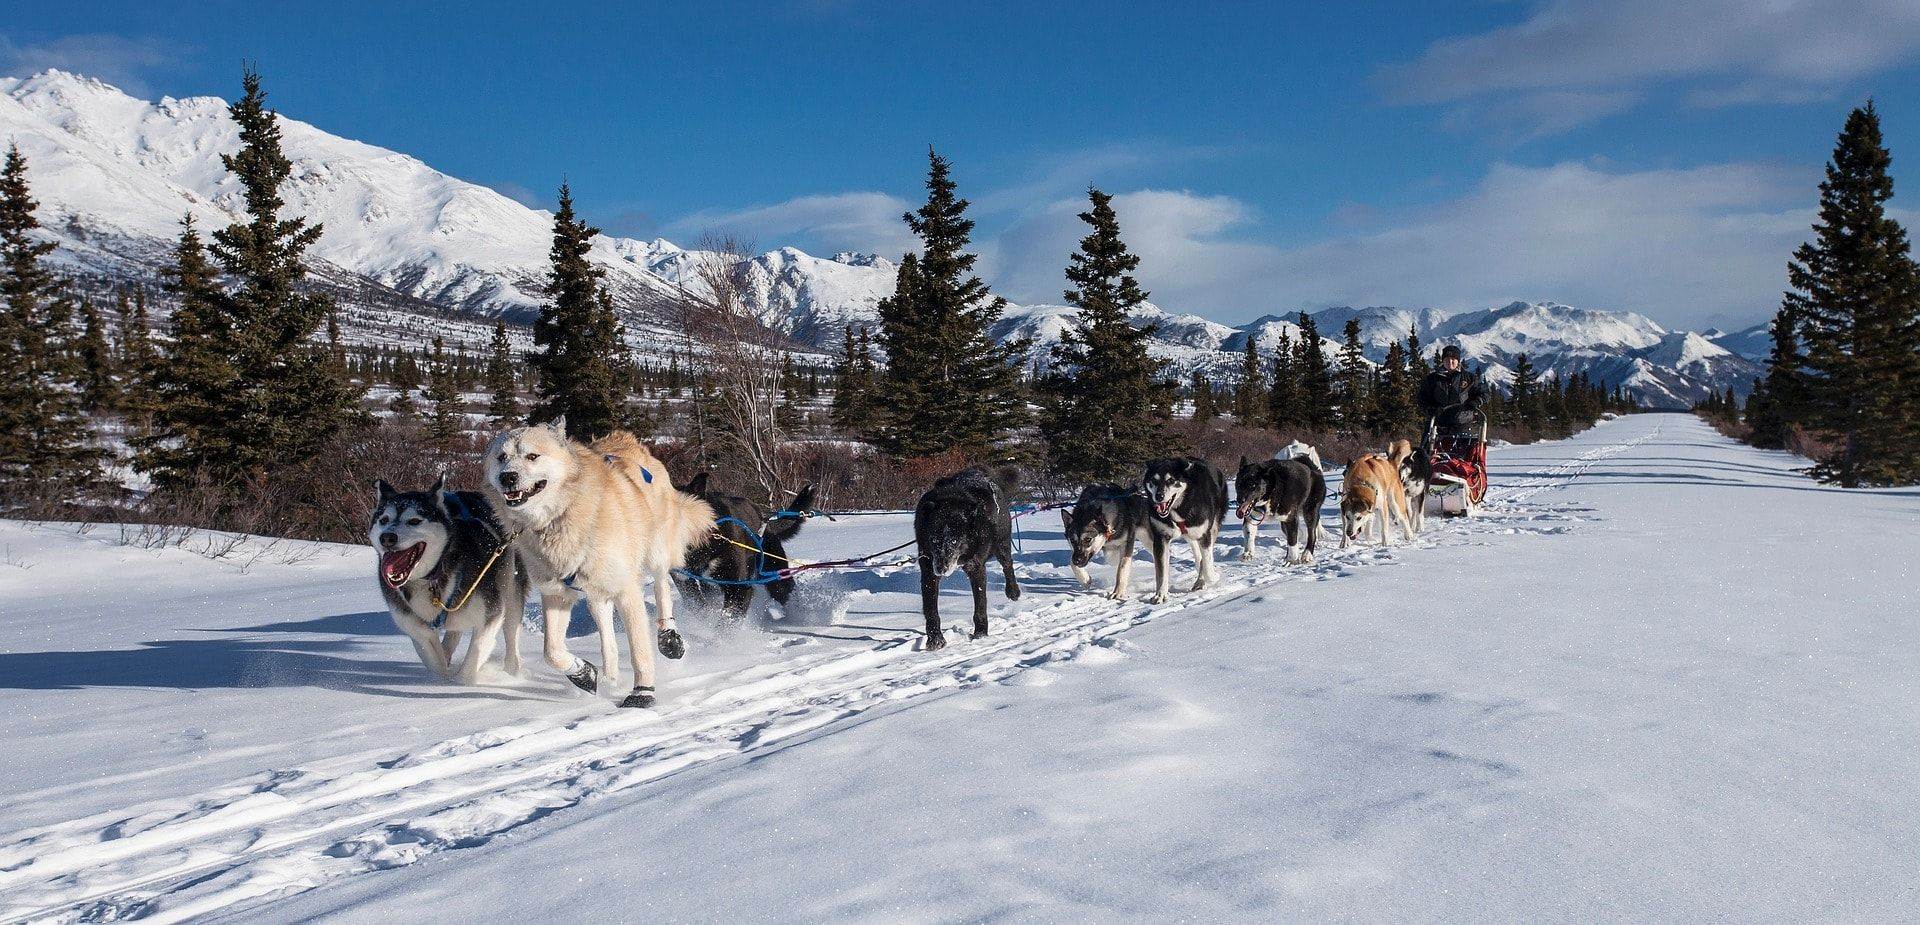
(412, 252)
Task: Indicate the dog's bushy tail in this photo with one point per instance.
(786, 528)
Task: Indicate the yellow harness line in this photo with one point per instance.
(727, 539)
(477, 579)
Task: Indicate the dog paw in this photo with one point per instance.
(1161, 598)
(671, 645)
(936, 641)
(586, 677)
(1246, 556)
(1013, 592)
(978, 634)
(642, 697)
(1116, 595)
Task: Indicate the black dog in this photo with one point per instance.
(1291, 489)
(960, 522)
(1111, 519)
(1189, 497)
(736, 561)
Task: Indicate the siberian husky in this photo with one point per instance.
(446, 573)
(961, 522)
(1112, 520)
(1189, 499)
(1290, 486)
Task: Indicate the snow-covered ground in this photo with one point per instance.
(1664, 678)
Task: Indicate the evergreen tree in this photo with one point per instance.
(947, 384)
(443, 397)
(289, 397)
(139, 362)
(1355, 403)
(578, 351)
(1205, 407)
(407, 379)
(98, 391)
(44, 438)
(1778, 399)
(503, 409)
(1417, 365)
(1283, 390)
(853, 393)
(1393, 404)
(1101, 419)
(1523, 394)
(1856, 292)
(1317, 400)
(1251, 391)
(197, 376)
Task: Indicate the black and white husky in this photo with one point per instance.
(728, 557)
(1292, 487)
(961, 522)
(1416, 473)
(444, 576)
(1189, 500)
(1111, 519)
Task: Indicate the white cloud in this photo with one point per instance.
(116, 59)
(1591, 55)
(860, 221)
(1688, 247)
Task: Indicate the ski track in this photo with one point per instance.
(283, 832)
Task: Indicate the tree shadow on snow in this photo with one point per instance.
(257, 659)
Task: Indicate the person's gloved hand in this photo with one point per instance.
(1461, 416)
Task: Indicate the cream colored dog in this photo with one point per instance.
(1372, 487)
(592, 522)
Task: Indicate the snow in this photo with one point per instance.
(114, 175)
(1664, 678)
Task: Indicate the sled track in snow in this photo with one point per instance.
(284, 832)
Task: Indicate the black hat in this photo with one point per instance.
(1450, 351)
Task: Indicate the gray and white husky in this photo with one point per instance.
(1291, 487)
(435, 547)
(1112, 520)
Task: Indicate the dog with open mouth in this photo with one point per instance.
(593, 521)
(448, 573)
(1188, 496)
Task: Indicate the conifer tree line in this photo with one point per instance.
(1842, 380)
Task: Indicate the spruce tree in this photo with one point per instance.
(446, 422)
(947, 385)
(1417, 365)
(1251, 391)
(98, 391)
(138, 360)
(1283, 391)
(1393, 398)
(407, 379)
(1778, 399)
(1523, 395)
(503, 409)
(853, 399)
(1355, 403)
(45, 448)
(290, 397)
(578, 350)
(1101, 420)
(1317, 399)
(1204, 406)
(196, 378)
(1856, 292)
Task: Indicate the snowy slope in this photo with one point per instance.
(407, 248)
(1624, 694)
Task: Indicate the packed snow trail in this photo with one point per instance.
(332, 823)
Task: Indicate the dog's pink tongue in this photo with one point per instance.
(396, 565)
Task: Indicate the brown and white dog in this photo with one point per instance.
(1372, 487)
(593, 522)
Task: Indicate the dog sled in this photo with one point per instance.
(1459, 483)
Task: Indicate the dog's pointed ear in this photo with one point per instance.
(696, 485)
(1243, 462)
(440, 484)
(803, 501)
(558, 425)
(1066, 520)
(386, 491)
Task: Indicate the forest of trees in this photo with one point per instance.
(248, 397)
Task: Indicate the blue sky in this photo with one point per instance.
(1652, 156)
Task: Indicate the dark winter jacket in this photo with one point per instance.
(1453, 399)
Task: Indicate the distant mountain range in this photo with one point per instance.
(412, 252)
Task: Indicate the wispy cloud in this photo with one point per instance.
(1570, 62)
(119, 60)
(858, 221)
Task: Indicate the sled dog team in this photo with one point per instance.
(592, 521)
